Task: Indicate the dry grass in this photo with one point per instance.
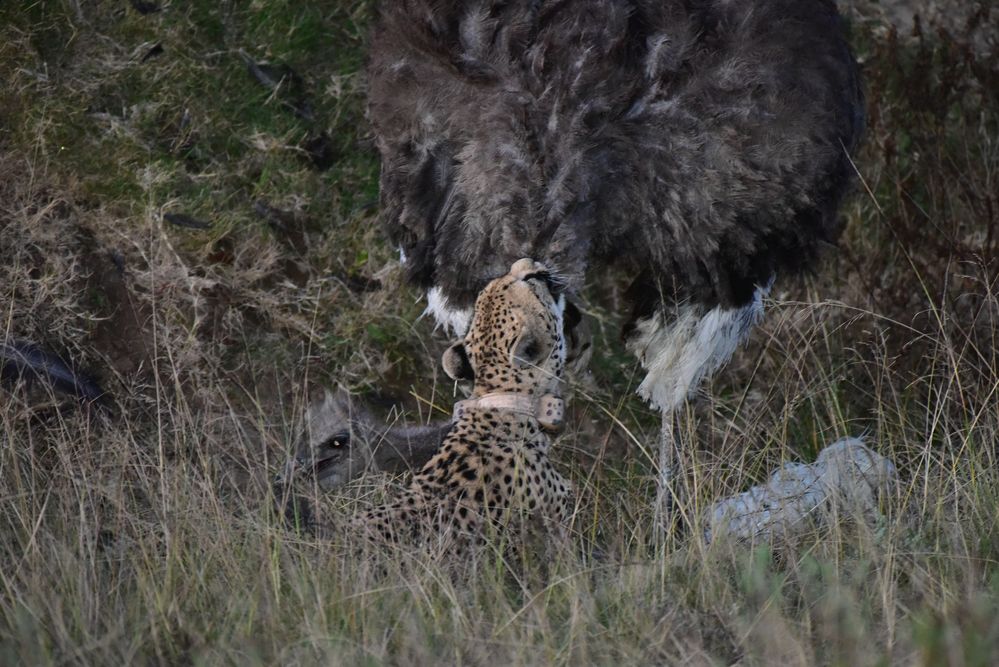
(148, 535)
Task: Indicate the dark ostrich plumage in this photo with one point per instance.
(701, 145)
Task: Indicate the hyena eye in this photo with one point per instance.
(336, 440)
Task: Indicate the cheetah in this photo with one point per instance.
(494, 462)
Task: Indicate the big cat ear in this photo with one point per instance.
(456, 363)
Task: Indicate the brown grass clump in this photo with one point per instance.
(146, 533)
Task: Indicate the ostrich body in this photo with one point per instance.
(700, 145)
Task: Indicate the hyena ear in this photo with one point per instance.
(456, 363)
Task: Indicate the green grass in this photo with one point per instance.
(151, 536)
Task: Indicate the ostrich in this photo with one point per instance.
(703, 146)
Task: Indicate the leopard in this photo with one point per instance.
(494, 464)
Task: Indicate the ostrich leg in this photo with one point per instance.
(680, 348)
(675, 489)
(670, 476)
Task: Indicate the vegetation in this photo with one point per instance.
(146, 531)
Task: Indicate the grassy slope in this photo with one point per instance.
(149, 537)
